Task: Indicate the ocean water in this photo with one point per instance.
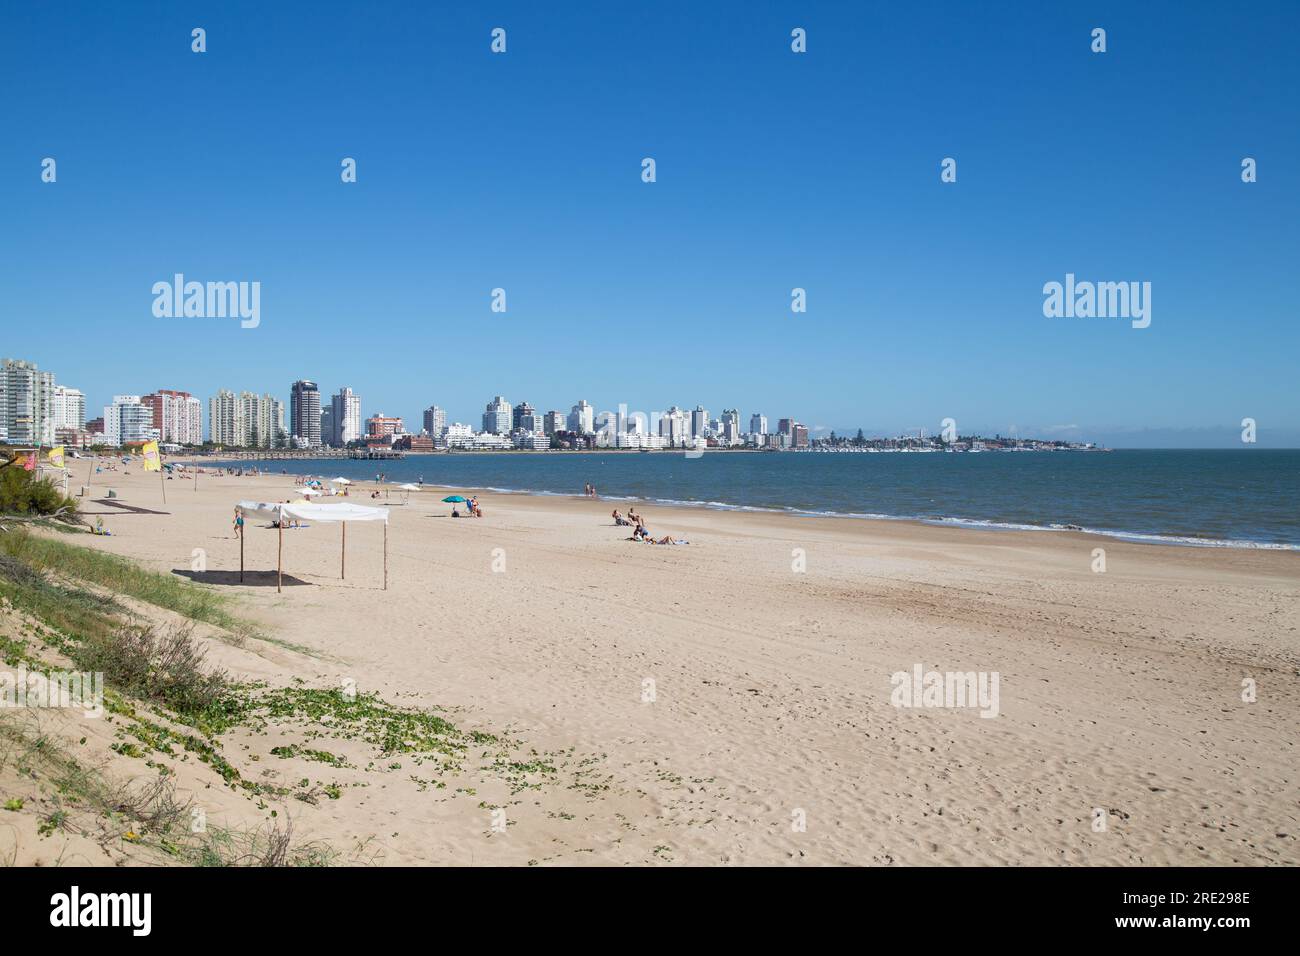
(1232, 498)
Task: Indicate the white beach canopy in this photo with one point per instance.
(339, 481)
(280, 512)
(410, 487)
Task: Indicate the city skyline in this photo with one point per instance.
(162, 400)
(924, 297)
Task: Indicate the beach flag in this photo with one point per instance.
(150, 454)
(56, 456)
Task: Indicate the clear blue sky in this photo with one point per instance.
(775, 170)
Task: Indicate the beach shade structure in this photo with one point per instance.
(408, 488)
(454, 498)
(340, 513)
(308, 491)
(339, 481)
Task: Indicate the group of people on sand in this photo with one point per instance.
(640, 532)
(289, 525)
(471, 506)
(322, 485)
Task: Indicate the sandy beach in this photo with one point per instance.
(730, 701)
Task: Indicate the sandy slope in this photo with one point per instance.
(1118, 690)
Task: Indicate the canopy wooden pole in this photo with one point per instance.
(385, 555)
(279, 559)
(162, 481)
(343, 552)
(241, 555)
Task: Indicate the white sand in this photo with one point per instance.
(1118, 690)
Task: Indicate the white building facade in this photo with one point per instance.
(127, 420)
(26, 403)
(345, 418)
(498, 416)
(68, 408)
(582, 418)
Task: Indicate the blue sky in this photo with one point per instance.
(775, 170)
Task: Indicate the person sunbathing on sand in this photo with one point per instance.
(619, 519)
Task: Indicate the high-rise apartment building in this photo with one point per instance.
(304, 414)
(498, 418)
(68, 408)
(521, 412)
(246, 421)
(263, 418)
(527, 419)
(128, 420)
(729, 426)
(224, 420)
(699, 422)
(674, 426)
(582, 418)
(553, 422)
(345, 419)
(177, 416)
(758, 424)
(435, 421)
(26, 403)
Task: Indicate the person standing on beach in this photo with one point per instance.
(239, 523)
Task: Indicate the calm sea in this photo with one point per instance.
(1242, 498)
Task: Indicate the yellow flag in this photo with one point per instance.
(56, 456)
(149, 451)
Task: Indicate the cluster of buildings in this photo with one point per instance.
(35, 410)
(171, 417)
(522, 426)
(246, 420)
(920, 442)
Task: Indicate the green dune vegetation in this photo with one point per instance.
(169, 716)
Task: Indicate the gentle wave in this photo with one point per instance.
(1182, 498)
(980, 524)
